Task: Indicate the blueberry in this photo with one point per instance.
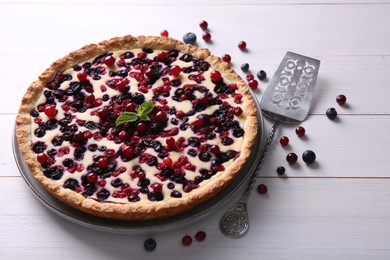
(331, 113)
(261, 75)
(189, 38)
(245, 67)
(150, 244)
(308, 156)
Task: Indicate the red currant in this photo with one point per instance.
(215, 76)
(161, 116)
(42, 158)
(253, 84)
(128, 151)
(82, 75)
(90, 98)
(203, 25)
(109, 60)
(249, 77)
(162, 56)
(175, 70)
(206, 36)
(200, 235)
(227, 58)
(170, 141)
(300, 131)
(103, 162)
(167, 161)
(92, 177)
(164, 33)
(262, 189)
(186, 240)
(157, 187)
(291, 158)
(141, 127)
(341, 99)
(284, 140)
(242, 45)
(50, 110)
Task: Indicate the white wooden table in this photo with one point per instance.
(337, 209)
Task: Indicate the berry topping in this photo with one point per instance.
(261, 75)
(186, 240)
(215, 76)
(157, 187)
(300, 131)
(82, 76)
(242, 45)
(203, 24)
(50, 110)
(189, 38)
(150, 244)
(161, 116)
(170, 141)
(291, 158)
(280, 170)
(284, 140)
(206, 36)
(331, 113)
(109, 60)
(308, 156)
(175, 70)
(341, 99)
(262, 189)
(200, 235)
(227, 58)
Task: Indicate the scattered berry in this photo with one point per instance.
(186, 240)
(331, 113)
(245, 67)
(261, 75)
(226, 58)
(341, 99)
(242, 45)
(308, 156)
(164, 33)
(150, 244)
(280, 170)
(206, 36)
(300, 131)
(203, 24)
(167, 161)
(249, 77)
(161, 116)
(170, 141)
(200, 235)
(189, 38)
(262, 189)
(284, 140)
(291, 158)
(253, 84)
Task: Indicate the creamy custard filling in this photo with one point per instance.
(80, 147)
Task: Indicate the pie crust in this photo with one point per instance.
(141, 210)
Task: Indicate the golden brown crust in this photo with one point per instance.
(134, 211)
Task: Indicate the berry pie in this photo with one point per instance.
(136, 128)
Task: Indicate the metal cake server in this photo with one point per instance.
(287, 99)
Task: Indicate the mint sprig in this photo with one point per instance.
(142, 113)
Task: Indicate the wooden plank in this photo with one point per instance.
(297, 219)
(198, 2)
(311, 29)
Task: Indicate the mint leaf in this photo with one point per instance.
(144, 118)
(126, 117)
(145, 108)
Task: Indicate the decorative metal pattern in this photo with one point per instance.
(294, 80)
(235, 223)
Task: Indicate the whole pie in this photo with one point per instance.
(136, 128)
